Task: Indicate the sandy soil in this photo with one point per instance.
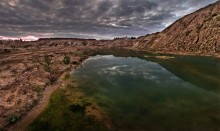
(27, 79)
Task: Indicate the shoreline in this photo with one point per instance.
(35, 111)
(30, 115)
(177, 53)
(42, 104)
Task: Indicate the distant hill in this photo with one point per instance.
(197, 33)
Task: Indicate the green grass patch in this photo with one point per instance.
(63, 114)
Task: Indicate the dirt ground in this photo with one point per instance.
(25, 74)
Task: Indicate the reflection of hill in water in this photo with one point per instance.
(201, 71)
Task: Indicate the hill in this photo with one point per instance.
(197, 33)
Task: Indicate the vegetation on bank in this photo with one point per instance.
(12, 119)
(66, 60)
(67, 110)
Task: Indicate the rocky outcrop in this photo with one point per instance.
(198, 33)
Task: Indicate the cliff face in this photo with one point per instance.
(198, 32)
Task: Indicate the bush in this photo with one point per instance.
(6, 50)
(76, 108)
(38, 89)
(218, 17)
(12, 119)
(48, 63)
(214, 14)
(66, 77)
(66, 60)
(52, 79)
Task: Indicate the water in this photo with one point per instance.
(140, 94)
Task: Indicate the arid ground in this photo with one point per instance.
(26, 73)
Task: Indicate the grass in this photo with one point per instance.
(65, 112)
(38, 89)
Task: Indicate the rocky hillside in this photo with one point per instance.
(198, 33)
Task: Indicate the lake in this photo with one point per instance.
(137, 92)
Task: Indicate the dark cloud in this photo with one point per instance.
(127, 8)
(91, 18)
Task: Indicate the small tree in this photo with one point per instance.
(66, 60)
(47, 65)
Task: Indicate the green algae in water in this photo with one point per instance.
(62, 114)
(136, 94)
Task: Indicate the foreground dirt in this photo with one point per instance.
(29, 76)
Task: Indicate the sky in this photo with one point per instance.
(99, 19)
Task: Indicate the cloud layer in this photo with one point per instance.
(91, 18)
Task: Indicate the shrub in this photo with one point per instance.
(66, 60)
(84, 43)
(66, 77)
(6, 50)
(48, 63)
(52, 79)
(218, 17)
(12, 119)
(14, 71)
(214, 14)
(76, 108)
(38, 89)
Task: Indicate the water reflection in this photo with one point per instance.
(129, 90)
(139, 94)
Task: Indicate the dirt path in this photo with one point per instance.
(23, 77)
(32, 115)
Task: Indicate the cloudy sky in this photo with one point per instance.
(101, 19)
